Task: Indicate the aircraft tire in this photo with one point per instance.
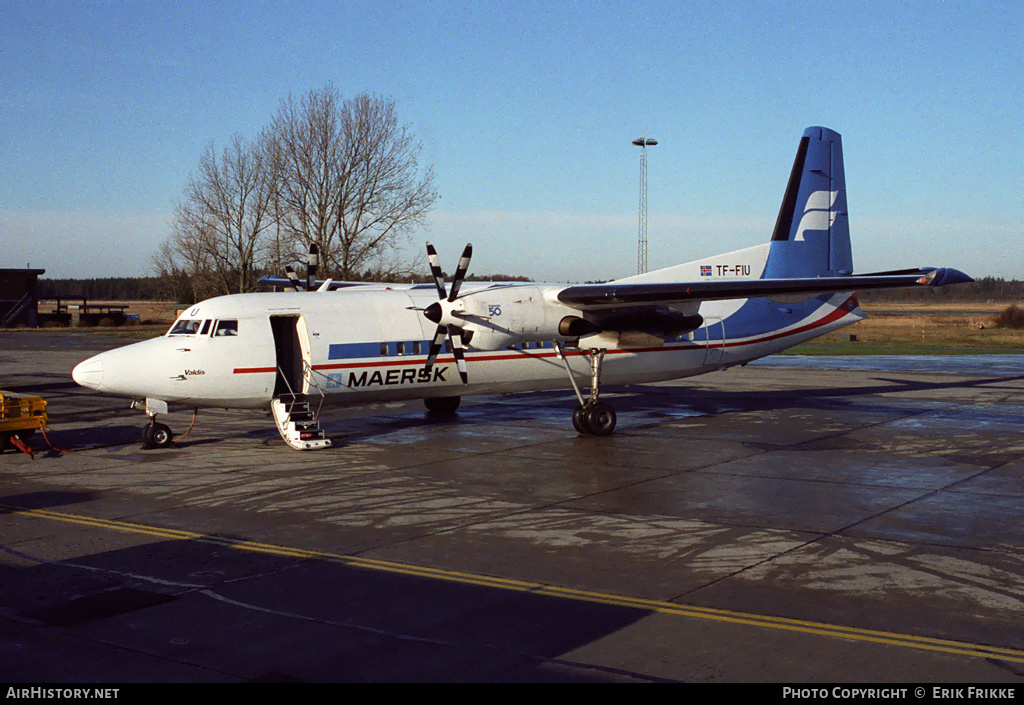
(147, 436)
(160, 436)
(442, 405)
(600, 418)
(579, 421)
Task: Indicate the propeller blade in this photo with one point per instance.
(435, 313)
(460, 272)
(293, 278)
(312, 263)
(436, 271)
(435, 346)
(460, 360)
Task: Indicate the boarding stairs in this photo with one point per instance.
(298, 420)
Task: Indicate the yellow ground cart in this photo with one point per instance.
(20, 416)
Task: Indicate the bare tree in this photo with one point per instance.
(305, 146)
(223, 220)
(341, 173)
(175, 281)
(348, 179)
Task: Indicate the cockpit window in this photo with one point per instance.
(225, 328)
(185, 327)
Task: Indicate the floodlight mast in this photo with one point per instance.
(643, 142)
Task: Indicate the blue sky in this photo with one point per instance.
(526, 112)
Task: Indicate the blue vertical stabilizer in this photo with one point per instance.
(812, 233)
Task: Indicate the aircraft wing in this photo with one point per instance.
(597, 296)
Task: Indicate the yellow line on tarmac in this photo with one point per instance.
(707, 613)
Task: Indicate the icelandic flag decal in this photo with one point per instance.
(705, 270)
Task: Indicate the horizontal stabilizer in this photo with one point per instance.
(286, 283)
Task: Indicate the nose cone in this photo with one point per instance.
(89, 373)
(433, 312)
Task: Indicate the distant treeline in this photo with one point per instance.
(105, 289)
(980, 290)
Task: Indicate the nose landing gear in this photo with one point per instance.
(156, 435)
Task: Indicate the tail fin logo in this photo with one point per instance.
(819, 212)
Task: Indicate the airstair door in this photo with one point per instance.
(294, 363)
(715, 349)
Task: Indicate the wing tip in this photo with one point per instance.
(945, 276)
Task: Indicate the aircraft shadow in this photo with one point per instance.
(641, 406)
(200, 610)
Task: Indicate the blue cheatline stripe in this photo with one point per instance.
(341, 351)
(349, 351)
(353, 351)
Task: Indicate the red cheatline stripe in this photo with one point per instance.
(835, 315)
(825, 320)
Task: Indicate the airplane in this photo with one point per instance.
(327, 342)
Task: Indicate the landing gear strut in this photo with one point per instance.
(591, 417)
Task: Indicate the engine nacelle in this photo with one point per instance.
(506, 315)
(502, 316)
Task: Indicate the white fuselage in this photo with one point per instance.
(358, 345)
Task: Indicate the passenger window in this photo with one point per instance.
(383, 348)
(417, 347)
(401, 348)
(225, 328)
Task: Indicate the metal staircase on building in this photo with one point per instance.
(13, 314)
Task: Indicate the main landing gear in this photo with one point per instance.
(442, 406)
(591, 417)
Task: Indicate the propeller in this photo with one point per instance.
(435, 312)
(293, 278)
(312, 262)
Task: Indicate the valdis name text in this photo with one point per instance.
(917, 693)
